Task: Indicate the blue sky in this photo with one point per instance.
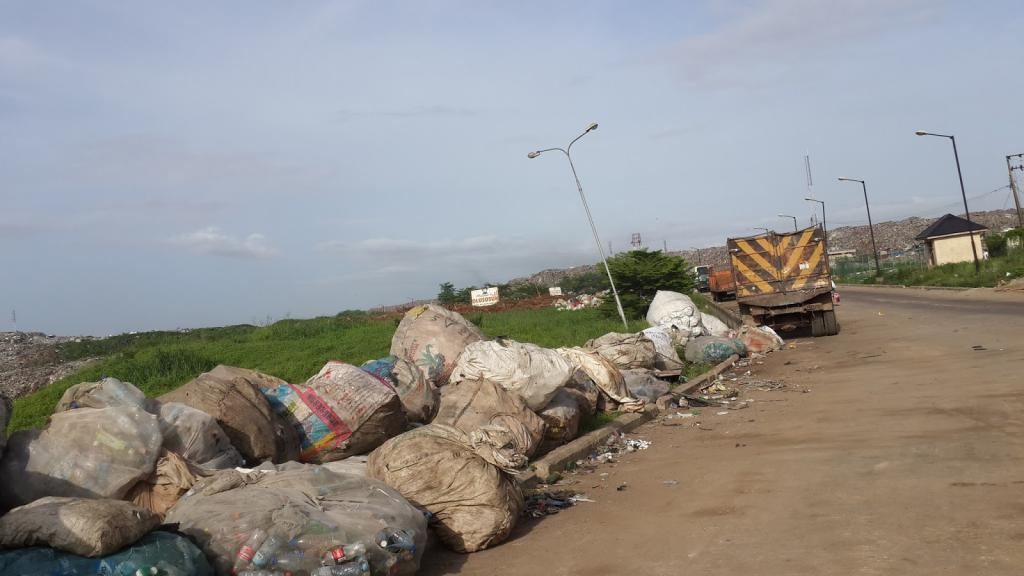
(192, 164)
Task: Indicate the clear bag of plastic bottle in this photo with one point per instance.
(300, 518)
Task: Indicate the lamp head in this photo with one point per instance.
(921, 133)
(533, 154)
(812, 200)
(592, 127)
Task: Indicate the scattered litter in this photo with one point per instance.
(722, 413)
(547, 503)
(621, 487)
(580, 498)
(670, 482)
(634, 445)
(978, 347)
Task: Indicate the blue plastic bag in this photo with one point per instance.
(170, 554)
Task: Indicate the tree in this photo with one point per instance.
(586, 283)
(639, 274)
(447, 294)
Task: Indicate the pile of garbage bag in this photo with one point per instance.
(419, 397)
(676, 311)
(713, 349)
(532, 372)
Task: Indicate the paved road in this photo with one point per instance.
(905, 455)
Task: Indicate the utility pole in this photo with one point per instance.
(664, 246)
(14, 319)
(1013, 185)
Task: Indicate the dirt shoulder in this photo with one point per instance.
(894, 448)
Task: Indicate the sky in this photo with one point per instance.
(186, 164)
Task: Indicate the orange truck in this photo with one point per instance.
(722, 285)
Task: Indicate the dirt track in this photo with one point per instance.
(905, 456)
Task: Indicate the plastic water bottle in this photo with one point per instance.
(248, 549)
(267, 551)
(342, 554)
(397, 540)
(358, 566)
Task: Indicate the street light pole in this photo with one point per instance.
(824, 225)
(1013, 186)
(788, 216)
(963, 192)
(590, 218)
(871, 227)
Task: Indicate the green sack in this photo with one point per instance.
(170, 554)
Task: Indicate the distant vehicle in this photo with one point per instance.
(783, 280)
(700, 277)
(722, 285)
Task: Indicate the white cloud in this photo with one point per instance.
(213, 241)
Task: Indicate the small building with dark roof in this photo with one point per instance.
(949, 238)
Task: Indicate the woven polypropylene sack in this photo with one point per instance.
(83, 526)
(644, 385)
(474, 404)
(419, 397)
(474, 503)
(432, 338)
(562, 419)
(532, 372)
(675, 310)
(106, 393)
(87, 453)
(232, 396)
(626, 351)
(604, 374)
(340, 412)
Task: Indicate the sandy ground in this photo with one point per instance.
(895, 448)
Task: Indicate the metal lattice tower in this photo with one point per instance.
(635, 242)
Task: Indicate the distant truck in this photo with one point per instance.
(722, 285)
(700, 278)
(783, 280)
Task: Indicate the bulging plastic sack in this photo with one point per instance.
(106, 393)
(85, 453)
(644, 385)
(293, 517)
(666, 357)
(160, 553)
(432, 338)
(760, 339)
(713, 349)
(626, 351)
(532, 372)
(713, 326)
(675, 310)
(232, 396)
(474, 501)
(340, 412)
(162, 489)
(196, 436)
(475, 404)
(419, 397)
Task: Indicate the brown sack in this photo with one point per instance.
(106, 393)
(605, 375)
(625, 350)
(173, 477)
(587, 393)
(474, 404)
(475, 503)
(562, 416)
(232, 396)
(432, 338)
(87, 527)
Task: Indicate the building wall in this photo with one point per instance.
(956, 249)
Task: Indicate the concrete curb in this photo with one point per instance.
(731, 319)
(556, 460)
(949, 288)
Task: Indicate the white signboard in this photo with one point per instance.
(484, 297)
(555, 291)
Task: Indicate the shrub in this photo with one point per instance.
(639, 274)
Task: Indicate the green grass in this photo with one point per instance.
(158, 362)
(961, 274)
(597, 420)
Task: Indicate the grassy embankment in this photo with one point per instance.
(961, 274)
(294, 350)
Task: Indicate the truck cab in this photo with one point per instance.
(700, 277)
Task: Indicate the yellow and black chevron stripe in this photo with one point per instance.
(773, 263)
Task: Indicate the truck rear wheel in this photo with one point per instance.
(817, 324)
(830, 323)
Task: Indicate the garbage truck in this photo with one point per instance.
(783, 280)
